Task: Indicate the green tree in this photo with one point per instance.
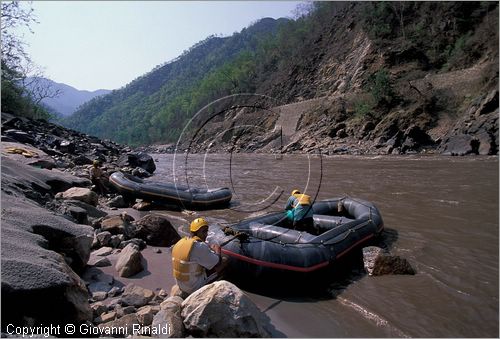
(23, 87)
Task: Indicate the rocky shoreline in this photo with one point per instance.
(58, 237)
(67, 247)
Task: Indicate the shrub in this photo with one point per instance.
(381, 88)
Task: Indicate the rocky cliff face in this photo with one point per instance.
(424, 109)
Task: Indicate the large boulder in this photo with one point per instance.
(156, 230)
(221, 309)
(461, 144)
(81, 194)
(137, 159)
(129, 262)
(38, 248)
(378, 261)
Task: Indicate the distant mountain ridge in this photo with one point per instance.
(69, 99)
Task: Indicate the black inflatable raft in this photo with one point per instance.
(270, 246)
(192, 198)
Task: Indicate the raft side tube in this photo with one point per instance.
(170, 193)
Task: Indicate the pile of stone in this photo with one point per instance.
(123, 236)
(219, 309)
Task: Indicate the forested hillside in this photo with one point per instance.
(155, 106)
(380, 72)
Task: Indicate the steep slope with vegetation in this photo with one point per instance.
(384, 77)
(155, 107)
(390, 77)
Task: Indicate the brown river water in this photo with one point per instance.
(440, 213)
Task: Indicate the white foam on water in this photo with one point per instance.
(378, 320)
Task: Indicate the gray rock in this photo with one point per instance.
(99, 286)
(170, 316)
(102, 262)
(16, 176)
(79, 214)
(113, 292)
(140, 172)
(103, 251)
(129, 262)
(136, 296)
(99, 296)
(34, 273)
(94, 274)
(117, 202)
(137, 159)
(378, 261)
(126, 323)
(118, 224)
(461, 144)
(104, 238)
(82, 194)
(221, 309)
(121, 311)
(115, 241)
(106, 317)
(141, 244)
(146, 313)
(92, 211)
(98, 308)
(156, 230)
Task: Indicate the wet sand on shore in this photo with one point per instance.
(158, 275)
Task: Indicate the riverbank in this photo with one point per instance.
(450, 244)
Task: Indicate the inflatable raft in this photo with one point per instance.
(340, 226)
(192, 198)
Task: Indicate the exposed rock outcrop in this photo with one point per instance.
(378, 261)
(38, 249)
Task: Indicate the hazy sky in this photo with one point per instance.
(95, 44)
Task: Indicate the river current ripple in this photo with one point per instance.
(440, 213)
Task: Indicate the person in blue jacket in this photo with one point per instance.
(299, 211)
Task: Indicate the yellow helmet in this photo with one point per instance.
(197, 224)
(295, 192)
(96, 162)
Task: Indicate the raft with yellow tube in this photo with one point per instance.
(183, 196)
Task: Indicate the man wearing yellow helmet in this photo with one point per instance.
(299, 211)
(192, 258)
